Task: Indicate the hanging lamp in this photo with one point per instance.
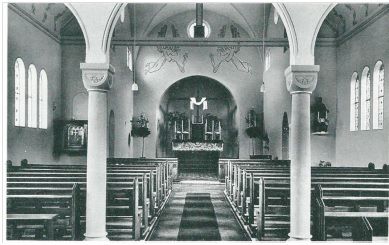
(134, 86)
(262, 89)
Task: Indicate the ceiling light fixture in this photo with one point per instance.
(262, 89)
(134, 86)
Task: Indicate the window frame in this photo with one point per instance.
(20, 93)
(365, 99)
(354, 102)
(378, 67)
(43, 100)
(32, 97)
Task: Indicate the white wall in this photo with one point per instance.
(244, 87)
(361, 147)
(277, 99)
(34, 47)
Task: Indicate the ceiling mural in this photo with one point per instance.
(141, 18)
(54, 17)
(345, 17)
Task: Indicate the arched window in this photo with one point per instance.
(42, 117)
(378, 96)
(32, 100)
(20, 93)
(354, 102)
(365, 99)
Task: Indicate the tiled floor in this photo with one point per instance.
(169, 224)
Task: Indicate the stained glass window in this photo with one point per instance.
(354, 102)
(20, 93)
(32, 98)
(365, 99)
(378, 96)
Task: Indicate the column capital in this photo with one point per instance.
(301, 78)
(97, 76)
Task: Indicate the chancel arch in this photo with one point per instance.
(204, 93)
(195, 99)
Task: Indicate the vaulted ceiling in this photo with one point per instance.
(54, 17)
(252, 17)
(345, 17)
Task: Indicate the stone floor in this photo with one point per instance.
(169, 223)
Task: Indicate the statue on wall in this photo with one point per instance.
(319, 114)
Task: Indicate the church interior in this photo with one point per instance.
(197, 121)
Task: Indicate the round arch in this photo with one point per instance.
(176, 100)
(119, 7)
(80, 23)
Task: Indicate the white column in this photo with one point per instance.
(301, 81)
(97, 80)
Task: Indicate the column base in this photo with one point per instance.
(96, 237)
(293, 238)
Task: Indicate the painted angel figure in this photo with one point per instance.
(228, 54)
(168, 54)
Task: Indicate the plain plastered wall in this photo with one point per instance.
(243, 86)
(34, 47)
(277, 99)
(364, 49)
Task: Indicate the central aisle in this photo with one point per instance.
(198, 211)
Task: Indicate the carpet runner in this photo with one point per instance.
(198, 222)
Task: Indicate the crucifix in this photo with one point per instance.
(198, 101)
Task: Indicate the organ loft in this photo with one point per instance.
(207, 121)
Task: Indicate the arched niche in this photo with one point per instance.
(80, 106)
(220, 103)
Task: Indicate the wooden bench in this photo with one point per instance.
(346, 209)
(66, 206)
(46, 220)
(237, 185)
(41, 176)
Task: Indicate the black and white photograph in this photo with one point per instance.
(139, 121)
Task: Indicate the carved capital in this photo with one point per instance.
(97, 76)
(301, 78)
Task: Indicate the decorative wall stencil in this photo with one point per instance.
(44, 17)
(222, 32)
(175, 32)
(33, 8)
(341, 20)
(172, 54)
(162, 32)
(229, 53)
(57, 17)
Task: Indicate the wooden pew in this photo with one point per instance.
(322, 174)
(67, 206)
(112, 193)
(331, 209)
(40, 194)
(79, 171)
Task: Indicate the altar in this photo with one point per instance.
(198, 146)
(197, 139)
